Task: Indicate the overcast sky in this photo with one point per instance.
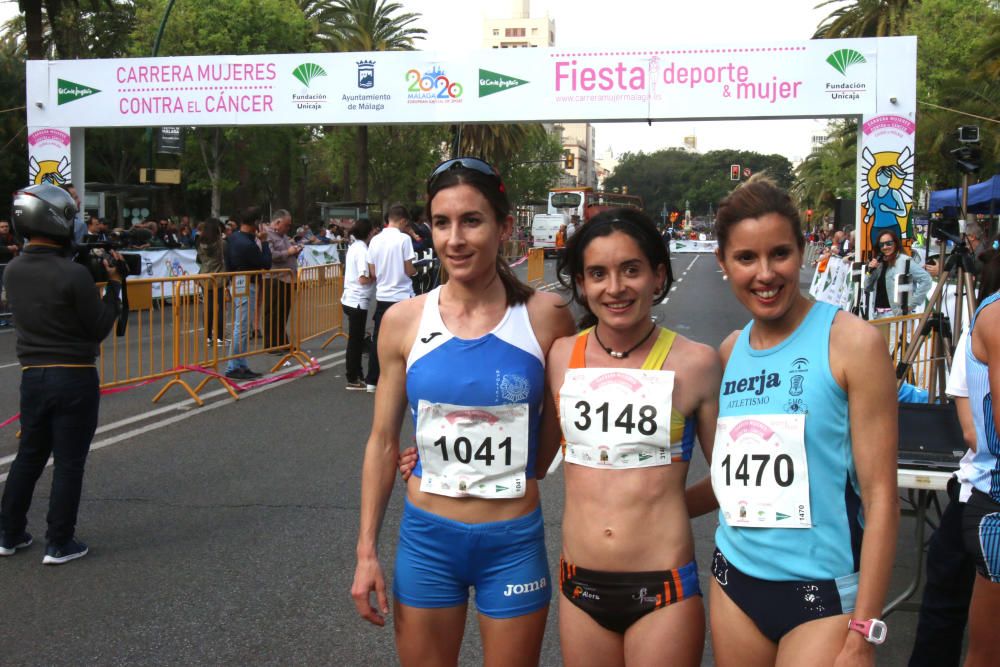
(459, 25)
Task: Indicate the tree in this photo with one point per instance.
(863, 18)
(533, 169)
(827, 174)
(225, 26)
(57, 27)
(364, 25)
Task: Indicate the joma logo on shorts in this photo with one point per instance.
(754, 383)
(520, 589)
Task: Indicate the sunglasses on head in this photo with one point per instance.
(886, 244)
(468, 163)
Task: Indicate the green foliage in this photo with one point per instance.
(827, 174)
(13, 122)
(863, 18)
(533, 169)
(671, 178)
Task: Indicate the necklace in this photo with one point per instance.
(623, 355)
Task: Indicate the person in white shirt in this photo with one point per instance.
(390, 265)
(359, 286)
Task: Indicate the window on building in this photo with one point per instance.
(514, 32)
(496, 32)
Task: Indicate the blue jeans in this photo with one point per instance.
(241, 327)
(58, 417)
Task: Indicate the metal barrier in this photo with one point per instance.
(536, 267)
(163, 335)
(812, 254)
(317, 310)
(900, 333)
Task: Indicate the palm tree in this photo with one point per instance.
(363, 25)
(863, 18)
(497, 144)
(53, 27)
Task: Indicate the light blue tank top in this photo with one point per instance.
(985, 466)
(794, 378)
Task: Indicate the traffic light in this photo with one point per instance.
(568, 160)
(673, 216)
(734, 172)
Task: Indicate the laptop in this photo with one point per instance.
(930, 437)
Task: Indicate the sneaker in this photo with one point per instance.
(236, 374)
(55, 555)
(370, 388)
(11, 543)
(357, 385)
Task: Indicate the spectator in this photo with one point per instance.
(243, 254)
(8, 251)
(185, 235)
(284, 255)
(390, 264)
(96, 231)
(884, 268)
(358, 289)
(211, 251)
(79, 226)
(231, 226)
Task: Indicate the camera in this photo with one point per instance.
(93, 252)
(968, 134)
(946, 230)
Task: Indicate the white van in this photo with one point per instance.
(543, 231)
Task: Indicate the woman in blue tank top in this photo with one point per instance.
(981, 518)
(804, 460)
(467, 361)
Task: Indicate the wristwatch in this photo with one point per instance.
(873, 630)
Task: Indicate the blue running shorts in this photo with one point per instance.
(438, 559)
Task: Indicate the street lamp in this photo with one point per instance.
(304, 159)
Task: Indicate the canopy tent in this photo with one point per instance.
(983, 197)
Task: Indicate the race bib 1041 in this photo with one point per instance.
(616, 417)
(473, 451)
(760, 474)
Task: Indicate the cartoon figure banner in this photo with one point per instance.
(49, 156)
(885, 181)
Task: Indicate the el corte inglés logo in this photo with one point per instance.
(494, 82)
(841, 59)
(67, 91)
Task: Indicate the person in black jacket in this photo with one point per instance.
(60, 323)
(246, 250)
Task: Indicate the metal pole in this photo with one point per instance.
(156, 51)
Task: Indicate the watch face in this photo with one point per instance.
(877, 632)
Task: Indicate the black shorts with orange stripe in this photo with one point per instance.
(616, 600)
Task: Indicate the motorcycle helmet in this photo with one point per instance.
(44, 210)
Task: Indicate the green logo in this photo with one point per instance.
(779, 516)
(644, 457)
(841, 59)
(493, 82)
(306, 72)
(70, 92)
(501, 488)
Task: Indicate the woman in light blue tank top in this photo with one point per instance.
(804, 460)
(981, 518)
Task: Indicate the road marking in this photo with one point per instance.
(180, 405)
(691, 264)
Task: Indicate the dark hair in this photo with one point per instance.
(361, 229)
(210, 234)
(250, 215)
(397, 212)
(628, 221)
(496, 196)
(989, 277)
(755, 198)
(891, 231)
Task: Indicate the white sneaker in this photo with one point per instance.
(370, 388)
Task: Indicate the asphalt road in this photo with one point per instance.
(224, 535)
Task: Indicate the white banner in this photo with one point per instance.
(813, 78)
(679, 246)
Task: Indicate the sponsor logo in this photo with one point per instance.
(306, 72)
(580, 592)
(471, 416)
(366, 74)
(619, 379)
(432, 87)
(800, 365)
(754, 383)
(431, 336)
(67, 91)
(491, 83)
(781, 517)
(643, 597)
(842, 59)
(501, 488)
(796, 385)
(796, 406)
(530, 587)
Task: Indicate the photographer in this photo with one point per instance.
(973, 238)
(60, 323)
(884, 267)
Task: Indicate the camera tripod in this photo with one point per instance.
(959, 263)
